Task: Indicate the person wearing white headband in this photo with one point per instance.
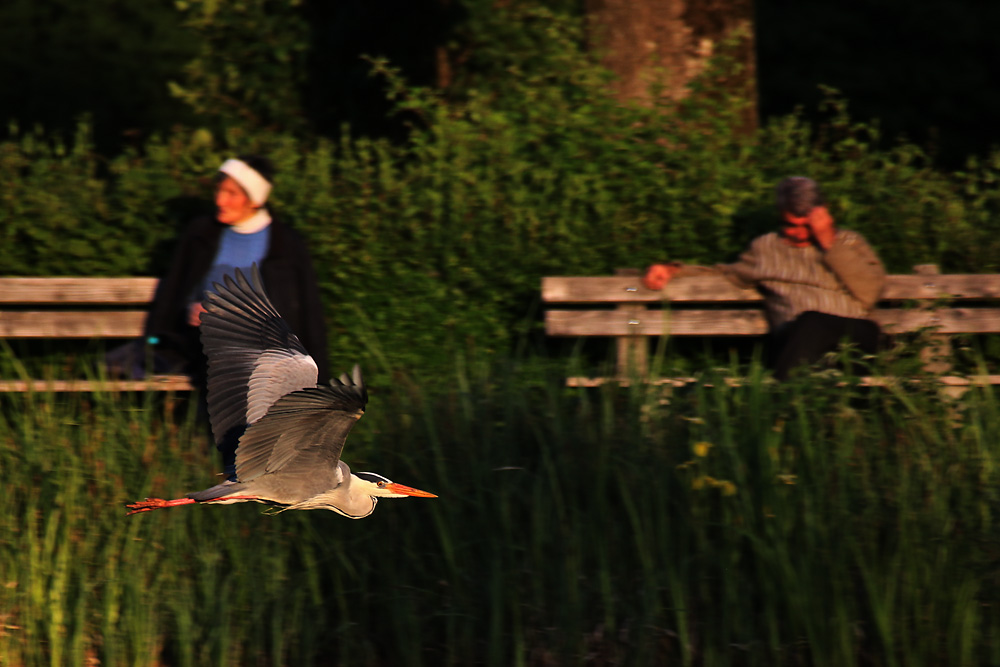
(254, 185)
(241, 191)
(241, 232)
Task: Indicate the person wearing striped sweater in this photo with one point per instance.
(819, 282)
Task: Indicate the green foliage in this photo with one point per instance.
(106, 58)
(250, 66)
(806, 523)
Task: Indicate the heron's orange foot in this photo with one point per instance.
(150, 504)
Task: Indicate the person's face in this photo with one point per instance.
(796, 233)
(231, 203)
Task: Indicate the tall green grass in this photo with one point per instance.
(806, 523)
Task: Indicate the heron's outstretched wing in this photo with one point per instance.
(304, 432)
(253, 357)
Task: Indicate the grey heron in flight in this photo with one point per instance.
(289, 431)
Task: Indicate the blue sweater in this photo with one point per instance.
(236, 251)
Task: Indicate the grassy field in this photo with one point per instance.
(802, 524)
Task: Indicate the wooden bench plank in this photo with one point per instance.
(154, 383)
(111, 291)
(70, 324)
(751, 322)
(618, 289)
(656, 322)
(953, 287)
(867, 381)
(943, 320)
(714, 288)
(117, 312)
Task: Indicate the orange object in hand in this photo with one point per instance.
(194, 314)
(658, 275)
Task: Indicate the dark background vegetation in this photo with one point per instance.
(926, 70)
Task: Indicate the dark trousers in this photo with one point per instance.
(805, 340)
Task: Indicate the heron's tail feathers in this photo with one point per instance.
(219, 491)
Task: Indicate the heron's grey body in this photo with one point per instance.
(288, 432)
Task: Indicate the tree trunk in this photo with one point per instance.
(657, 47)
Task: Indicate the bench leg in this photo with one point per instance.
(632, 351)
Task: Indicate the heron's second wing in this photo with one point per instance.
(254, 358)
(304, 430)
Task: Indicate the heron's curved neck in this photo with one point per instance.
(352, 498)
(357, 502)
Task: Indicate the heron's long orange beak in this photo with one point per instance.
(409, 491)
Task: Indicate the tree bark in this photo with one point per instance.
(657, 47)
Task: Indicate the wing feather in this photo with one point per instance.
(254, 358)
(303, 432)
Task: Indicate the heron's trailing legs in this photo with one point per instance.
(150, 504)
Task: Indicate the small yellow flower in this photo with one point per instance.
(788, 478)
(728, 488)
(701, 448)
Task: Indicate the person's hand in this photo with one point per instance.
(658, 275)
(821, 226)
(194, 313)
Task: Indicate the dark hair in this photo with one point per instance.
(798, 195)
(260, 164)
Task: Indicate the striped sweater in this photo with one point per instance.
(845, 280)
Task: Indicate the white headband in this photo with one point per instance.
(256, 186)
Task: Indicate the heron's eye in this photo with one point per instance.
(381, 484)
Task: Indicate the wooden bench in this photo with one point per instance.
(82, 309)
(709, 305)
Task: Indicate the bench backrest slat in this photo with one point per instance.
(55, 291)
(716, 289)
(67, 324)
(953, 287)
(617, 289)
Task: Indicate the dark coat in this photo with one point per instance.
(288, 276)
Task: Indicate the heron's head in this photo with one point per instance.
(378, 486)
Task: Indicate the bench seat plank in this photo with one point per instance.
(154, 383)
(867, 381)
